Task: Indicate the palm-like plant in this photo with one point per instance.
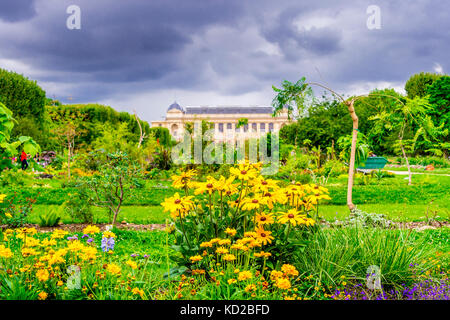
(408, 114)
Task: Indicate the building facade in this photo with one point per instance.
(224, 120)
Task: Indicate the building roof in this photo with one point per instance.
(229, 110)
(175, 106)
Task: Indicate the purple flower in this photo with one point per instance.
(107, 244)
(89, 240)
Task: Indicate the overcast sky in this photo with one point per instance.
(143, 55)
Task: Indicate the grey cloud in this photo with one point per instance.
(229, 47)
(17, 10)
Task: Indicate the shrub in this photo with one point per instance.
(14, 212)
(17, 178)
(23, 96)
(234, 219)
(50, 218)
(78, 207)
(347, 253)
(364, 219)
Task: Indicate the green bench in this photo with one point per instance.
(374, 163)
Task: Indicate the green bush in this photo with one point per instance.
(337, 253)
(50, 218)
(17, 178)
(22, 96)
(78, 207)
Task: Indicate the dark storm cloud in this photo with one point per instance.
(17, 10)
(230, 47)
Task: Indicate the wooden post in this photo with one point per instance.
(351, 169)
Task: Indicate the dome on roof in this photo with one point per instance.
(175, 106)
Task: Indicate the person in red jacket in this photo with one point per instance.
(23, 158)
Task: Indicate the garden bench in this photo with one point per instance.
(373, 163)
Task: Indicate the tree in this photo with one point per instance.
(110, 186)
(417, 85)
(403, 116)
(22, 96)
(66, 135)
(299, 95)
(7, 148)
(439, 97)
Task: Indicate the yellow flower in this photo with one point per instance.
(25, 232)
(7, 214)
(274, 275)
(283, 283)
(177, 206)
(229, 257)
(209, 186)
(5, 252)
(42, 275)
(59, 283)
(48, 243)
(244, 275)
(289, 270)
(206, 245)
(26, 252)
(91, 230)
(113, 269)
(58, 234)
(183, 180)
(42, 295)
(2, 197)
(226, 186)
(108, 234)
(264, 236)
(250, 288)
(221, 250)
(295, 218)
(196, 258)
(137, 291)
(231, 281)
(262, 254)
(244, 172)
(251, 204)
(132, 264)
(230, 232)
(225, 242)
(264, 218)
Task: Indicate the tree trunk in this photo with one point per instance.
(407, 163)
(351, 169)
(68, 161)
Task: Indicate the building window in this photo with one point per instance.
(270, 127)
(254, 127)
(262, 127)
(220, 127)
(237, 129)
(228, 126)
(245, 127)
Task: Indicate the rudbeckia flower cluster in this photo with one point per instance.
(243, 221)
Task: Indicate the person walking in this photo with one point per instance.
(23, 158)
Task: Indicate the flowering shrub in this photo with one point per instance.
(36, 266)
(15, 212)
(245, 222)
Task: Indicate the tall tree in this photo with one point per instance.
(417, 85)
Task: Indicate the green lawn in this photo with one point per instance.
(155, 214)
(390, 196)
(132, 214)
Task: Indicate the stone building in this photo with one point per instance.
(224, 119)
